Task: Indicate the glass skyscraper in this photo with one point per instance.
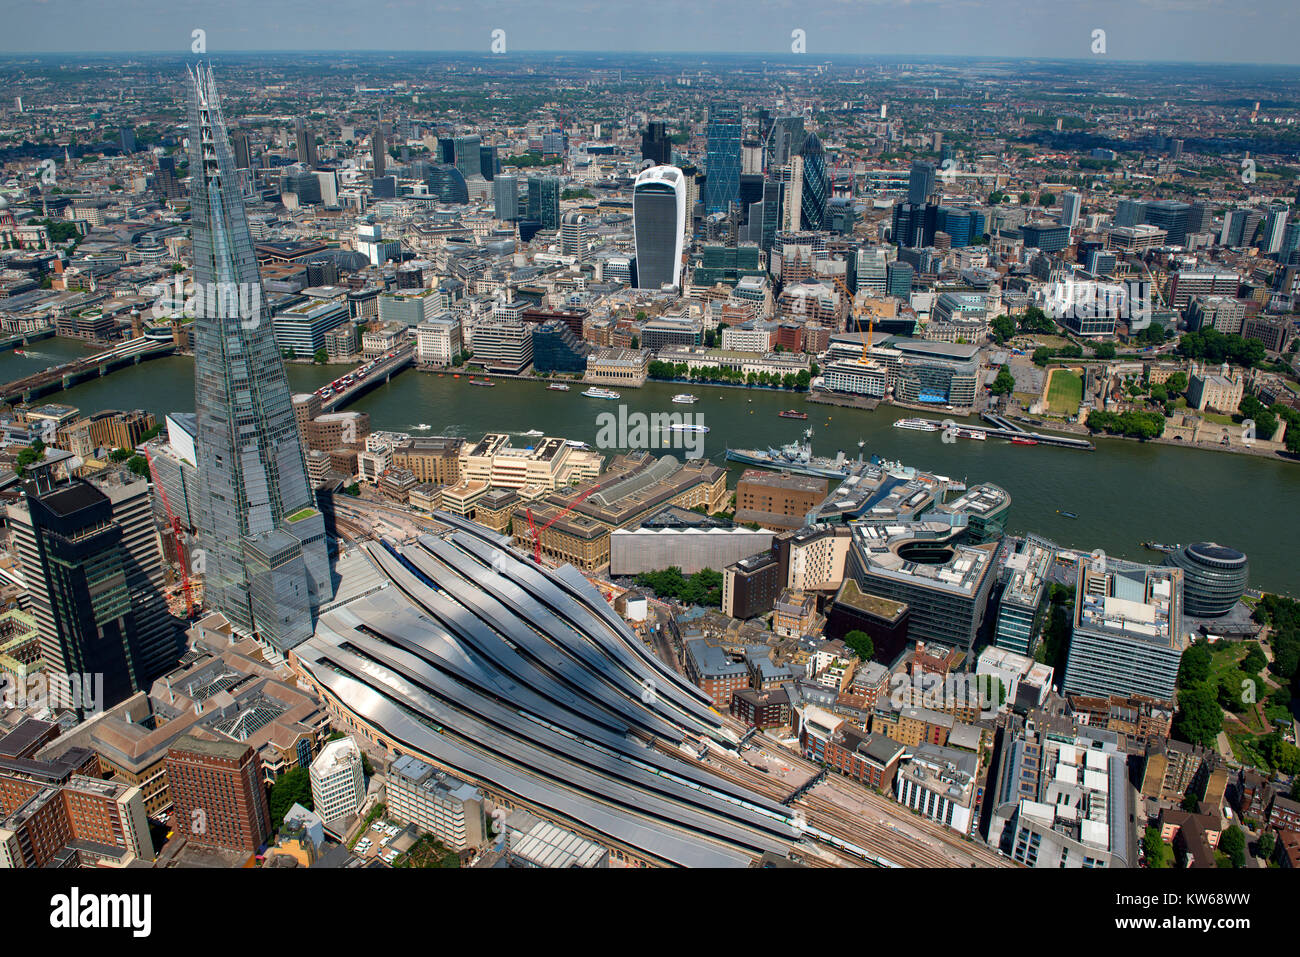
(544, 200)
(816, 185)
(659, 226)
(261, 538)
(722, 187)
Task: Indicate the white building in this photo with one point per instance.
(438, 340)
(337, 783)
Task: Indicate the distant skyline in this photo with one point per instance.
(1205, 31)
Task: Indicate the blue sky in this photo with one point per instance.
(1230, 31)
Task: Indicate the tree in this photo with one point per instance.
(1233, 843)
(292, 787)
(1003, 328)
(139, 465)
(861, 644)
(1194, 667)
(119, 455)
(1157, 851)
(1047, 199)
(1265, 845)
(320, 357)
(1104, 350)
(1005, 383)
(1199, 719)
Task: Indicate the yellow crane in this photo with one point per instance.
(856, 311)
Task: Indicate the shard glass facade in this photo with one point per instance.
(262, 540)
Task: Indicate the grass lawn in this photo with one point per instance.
(1217, 417)
(1064, 391)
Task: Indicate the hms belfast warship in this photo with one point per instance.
(797, 457)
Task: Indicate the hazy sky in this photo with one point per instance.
(1251, 31)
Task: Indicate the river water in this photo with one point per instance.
(1123, 493)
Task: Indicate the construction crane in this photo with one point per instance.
(178, 537)
(537, 533)
(857, 311)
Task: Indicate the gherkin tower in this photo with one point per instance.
(262, 546)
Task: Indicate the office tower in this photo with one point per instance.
(920, 182)
(467, 155)
(872, 271)
(384, 187)
(1270, 240)
(338, 786)
(722, 160)
(783, 141)
(166, 183)
(816, 190)
(489, 162)
(751, 194)
(899, 279)
(378, 148)
(1071, 204)
(306, 141)
(262, 539)
(1171, 216)
(573, 236)
(655, 143)
(544, 200)
(447, 183)
(1239, 227)
(243, 154)
(1130, 212)
(89, 554)
(126, 137)
(1200, 218)
(218, 797)
(505, 195)
(792, 214)
(908, 225)
(659, 226)
(1128, 630)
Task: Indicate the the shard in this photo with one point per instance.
(262, 547)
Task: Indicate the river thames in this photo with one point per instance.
(1124, 493)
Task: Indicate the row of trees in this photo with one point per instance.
(1212, 346)
(680, 370)
(702, 588)
(1134, 423)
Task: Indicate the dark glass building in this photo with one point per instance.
(920, 183)
(544, 200)
(557, 349)
(89, 554)
(655, 144)
(446, 182)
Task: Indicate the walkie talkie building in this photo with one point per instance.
(262, 540)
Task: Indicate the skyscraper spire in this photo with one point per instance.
(262, 540)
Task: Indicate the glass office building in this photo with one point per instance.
(816, 184)
(722, 187)
(261, 537)
(659, 226)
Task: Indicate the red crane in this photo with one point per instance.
(177, 536)
(532, 525)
